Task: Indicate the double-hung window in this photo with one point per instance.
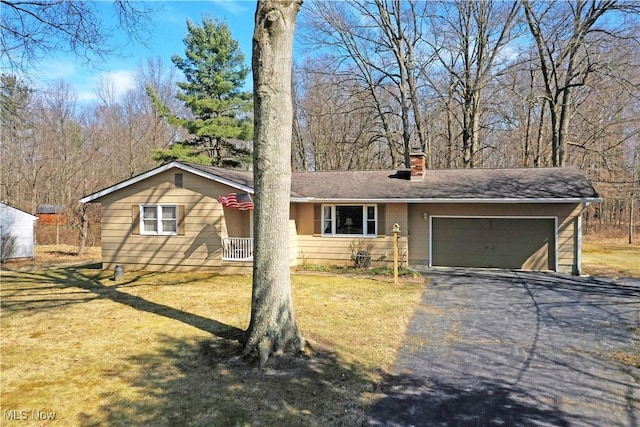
(159, 219)
(359, 220)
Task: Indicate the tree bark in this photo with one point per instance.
(82, 216)
(272, 328)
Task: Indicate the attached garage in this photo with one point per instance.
(527, 243)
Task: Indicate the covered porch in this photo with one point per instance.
(237, 249)
(238, 221)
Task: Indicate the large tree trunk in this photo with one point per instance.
(273, 328)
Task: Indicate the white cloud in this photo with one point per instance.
(84, 81)
(49, 72)
(235, 7)
(108, 85)
(122, 80)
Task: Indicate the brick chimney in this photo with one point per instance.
(418, 165)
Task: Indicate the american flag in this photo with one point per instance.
(233, 200)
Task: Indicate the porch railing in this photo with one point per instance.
(237, 249)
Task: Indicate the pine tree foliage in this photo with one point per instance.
(215, 71)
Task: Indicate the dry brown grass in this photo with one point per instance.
(631, 357)
(55, 255)
(610, 258)
(610, 255)
(161, 349)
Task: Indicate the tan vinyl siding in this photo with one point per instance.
(205, 223)
(303, 214)
(395, 213)
(237, 222)
(293, 243)
(314, 248)
(337, 251)
(568, 240)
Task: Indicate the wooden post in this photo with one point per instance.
(396, 230)
(631, 196)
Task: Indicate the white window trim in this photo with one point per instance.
(159, 220)
(364, 220)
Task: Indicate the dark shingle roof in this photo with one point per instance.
(49, 209)
(455, 185)
(527, 184)
(238, 176)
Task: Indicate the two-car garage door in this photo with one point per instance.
(499, 242)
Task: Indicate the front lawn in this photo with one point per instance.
(160, 349)
(610, 258)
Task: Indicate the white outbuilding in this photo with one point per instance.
(17, 230)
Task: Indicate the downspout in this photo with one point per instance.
(578, 269)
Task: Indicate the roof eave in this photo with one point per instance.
(447, 200)
(178, 165)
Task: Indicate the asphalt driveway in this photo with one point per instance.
(496, 347)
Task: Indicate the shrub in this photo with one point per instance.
(361, 253)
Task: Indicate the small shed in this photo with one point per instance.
(17, 231)
(51, 214)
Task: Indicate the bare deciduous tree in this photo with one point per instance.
(336, 127)
(32, 30)
(470, 40)
(374, 44)
(17, 131)
(567, 36)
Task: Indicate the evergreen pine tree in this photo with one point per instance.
(221, 118)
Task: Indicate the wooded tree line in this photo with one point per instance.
(472, 84)
(56, 150)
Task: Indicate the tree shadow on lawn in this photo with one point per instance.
(88, 280)
(192, 381)
(208, 383)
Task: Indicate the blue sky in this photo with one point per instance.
(168, 29)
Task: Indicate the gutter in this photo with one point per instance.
(444, 200)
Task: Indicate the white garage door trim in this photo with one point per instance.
(555, 229)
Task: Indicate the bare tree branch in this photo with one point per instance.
(33, 30)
